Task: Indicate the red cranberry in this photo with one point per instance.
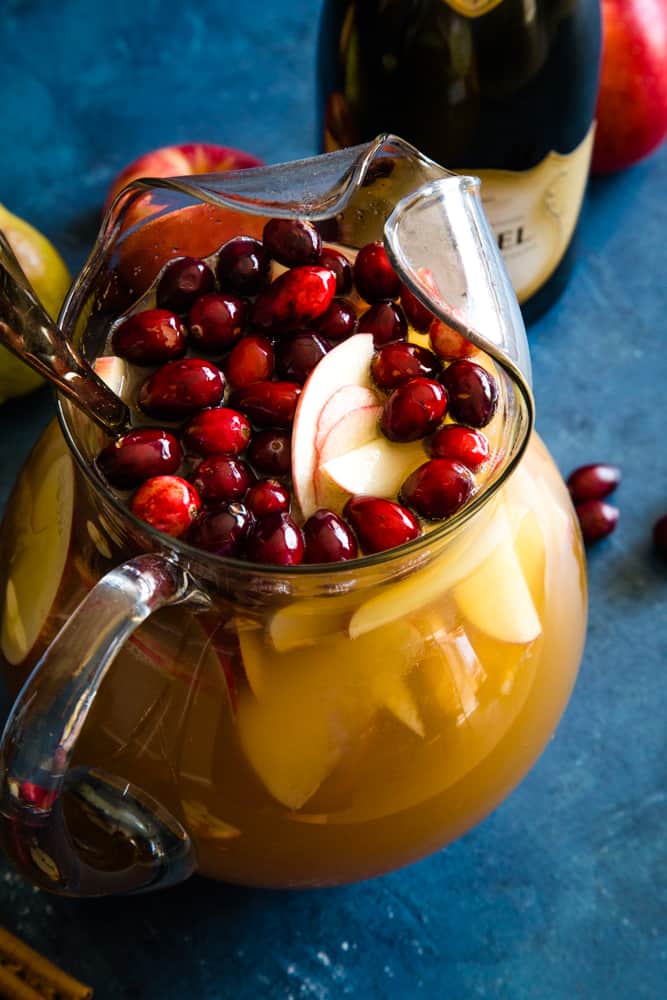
(183, 280)
(220, 477)
(398, 362)
(220, 431)
(276, 539)
(268, 496)
(337, 262)
(339, 321)
(251, 360)
(418, 315)
(597, 519)
(374, 276)
(167, 503)
(385, 321)
(297, 355)
(473, 393)
(180, 388)
(328, 538)
(270, 452)
(150, 337)
(139, 455)
(294, 299)
(222, 531)
(268, 404)
(292, 242)
(37, 795)
(216, 322)
(243, 266)
(660, 536)
(414, 409)
(593, 482)
(380, 524)
(461, 444)
(438, 488)
(448, 343)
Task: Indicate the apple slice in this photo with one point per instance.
(342, 404)
(347, 364)
(351, 432)
(377, 468)
(308, 622)
(113, 371)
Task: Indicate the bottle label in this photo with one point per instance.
(472, 8)
(533, 213)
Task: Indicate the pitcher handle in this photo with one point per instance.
(41, 733)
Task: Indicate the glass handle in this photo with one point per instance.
(39, 739)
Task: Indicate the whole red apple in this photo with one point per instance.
(632, 103)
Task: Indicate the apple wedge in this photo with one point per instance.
(377, 468)
(346, 401)
(113, 372)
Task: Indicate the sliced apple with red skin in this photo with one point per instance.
(113, 372)
(378, 468)
(345, 401)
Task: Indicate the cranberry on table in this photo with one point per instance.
(462, 444)
(138, 455)
(296, 356)
(374, 276)
(222, 531)
(398, 362)
(270, 451)
(660, 536)
(168, 503)
(328, 538)
(216, 322)
(380, 524)
(276, 539)
(250, 360)
(386, 321)
(597, 519)
(339, 321)
(150, 337)
(268, 404)
(593, 482)
(268, 496)
(294, 299)
(219, 431)
(183, 280)
(220, 477)
(414, 409)
(341, 267)
(292, 242)
(473, 393)
(243, 266)
(418, 315)
(438, 488)
(448, 343)
(180, 388)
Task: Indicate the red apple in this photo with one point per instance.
(632, 103)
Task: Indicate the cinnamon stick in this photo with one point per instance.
(27, 975)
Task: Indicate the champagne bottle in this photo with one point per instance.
(504, 89)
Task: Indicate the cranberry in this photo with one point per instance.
(222, 531)
(418, 315)
(167, 503)
(251, 360)
(339, 321)
(473, 393)
(292, 242)
(461, 444)
(328, 538)
(414, 409)
(183, 280)
(180, 388)
(270, 452)
(374, 276)
(220, 477)
(150, 337)
(660, 536)
(268, 403)
(297, 355)
(385, 321)
(268, 496)
(294, 299)
(448, 343)
(438, 488)
(337, 262)
(220, 431)
(216, 322)
(276, 539)
(396, 363)
(139, 455)
(597, 519)
(593, 482)
(380, 524)
(243, 266)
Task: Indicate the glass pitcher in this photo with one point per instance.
(287, 727)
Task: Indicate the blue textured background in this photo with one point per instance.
(562, 892)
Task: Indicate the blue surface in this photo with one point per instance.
(562, 892)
